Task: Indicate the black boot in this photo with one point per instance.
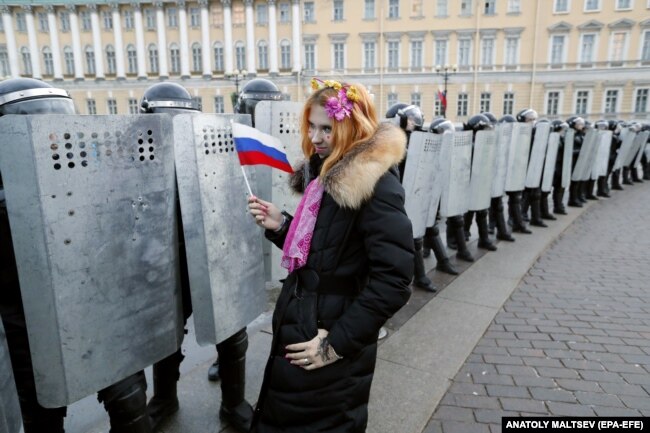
(492, 223)
(543, 207)
(534, 196)
(420, 279)
(525, 205)
(589, 190)
(213, 371)
(496, 207)
(126, 404)
(443, 263)
(426, 245)
(164, 402)
(235, 410)
(601, 187)
(484, 241)
(458, 226)
(635, 175)
(514, 210)
(626, 176)
(468, 218)
(558, 197)
(573, 194)
(451, 235)
(582, 191)
(616, 180)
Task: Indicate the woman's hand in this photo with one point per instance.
(266, 214)
(313, 354)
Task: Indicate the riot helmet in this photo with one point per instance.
(30, 96)
(614, 126)
(477, 122)
(256, 90)
(167, 97)
(543, 120)
(439, 126)
(559, 126)
(410, 116)
(602, 124)
(526, 115)
(576, 122)
(508, 118)
(491, 117)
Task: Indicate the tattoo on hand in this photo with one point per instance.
(323, 349)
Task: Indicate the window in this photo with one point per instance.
(285, 12)
(561, 6)
(27, 61)
(262, 13)
(490, 7)
(111, 64)
(219, 105)
(641, 101)
(263, 55)
(196, 57)
(587, 46)
(172, 17)
(416, 99)
(466, 8)
(129, 21)
(339, 55)
(111, 104)
(369, 48)
(393, 54)
(217, 15)
(623, 4)
(645, 51)
(64, 18)
(369, 10)
(582, 101)
(308, 11)
(464, 52)
(4, 61)
(416, 54)
(416, 8)
(175, 59)
(240, 56)
(552, 103)
(484, 102)
(238, 14)
(285, 54)
(91, 106)
(512, 51)
(68, 58)
(437, 106)
(592, 5)
(611, 101)
(617, 53)
(48, 61)
(514, 6)
(107, 18)
(441, 52)
(150, 19)
(557, 50)
(153, 58)
(197, 101)
(508, 103)
(391, 99)
(218, 57)
(337, 10)
(90, 61)
(84, 16)
(463, 102)
(43, 25)
(393, 9)
(21, 22)
(487, 52)
(441, 8)
(134, 108)
(132, 59)
(195, 17)
(310, 56)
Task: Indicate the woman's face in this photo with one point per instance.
(320, 131)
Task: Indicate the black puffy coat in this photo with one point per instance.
(357, 276)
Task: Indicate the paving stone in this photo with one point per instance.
(598, 399)
(557, 373)
(601, 376)
(545, 382)
(616, 411)
(467, 388)
(578, 385)
(523, 405)
(492, 416)
(454, 413)
(623, 389)
(637, 379)
(568, 409)
(552, 394)
(636, 402)
(582, 364)
(464, 427)
(507, 391)
(477, 401)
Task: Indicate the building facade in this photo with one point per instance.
(560, 57)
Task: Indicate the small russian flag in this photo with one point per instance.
(255, 148)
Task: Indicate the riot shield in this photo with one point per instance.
(518, 156)
(10, 418)
(454, 198)
(442, 146)
(604, 142)
(581, 170)
(642, 139)
(482, 170)
(223, 244)
(419, 175)
(549, 161)
(537, 155)
(91, 202)
(626, 152)
(503, 137)
(567, 158)
(591, 140)
(280, 119)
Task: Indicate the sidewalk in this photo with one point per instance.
(429, 340)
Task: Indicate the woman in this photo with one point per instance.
(349, 253)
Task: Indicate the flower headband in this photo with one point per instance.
(340, 106)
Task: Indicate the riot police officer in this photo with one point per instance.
(172, 98)
(479, 122)
(601, 183)
(578, 125)
(527, 115)
(532, 197)
(630, 172)
(645, 163)
(496, 217)
(560, 127)
(125, 401)
(256, 90)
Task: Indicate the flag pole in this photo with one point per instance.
(248, 185)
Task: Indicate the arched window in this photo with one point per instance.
(111, 64)
(5, 69)
(196, 57)
(175, 59)
(68, 58)
(218, 56)
(285, 54)
(90, 60)
(153, 58)
(132, 59)
(48, 61)
(240, 55)
(263, 54)
(27, 61)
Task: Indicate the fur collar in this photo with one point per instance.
(352, 180)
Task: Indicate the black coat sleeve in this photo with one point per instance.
(388, 239)
(278, 237)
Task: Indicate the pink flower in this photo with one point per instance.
(338, 107)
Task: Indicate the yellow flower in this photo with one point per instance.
(352, 94)
(336, 85)
(314, 84)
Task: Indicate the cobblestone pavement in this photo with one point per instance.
(574, 337)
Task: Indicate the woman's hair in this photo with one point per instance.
(347, 133)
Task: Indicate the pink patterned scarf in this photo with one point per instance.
(298, 240)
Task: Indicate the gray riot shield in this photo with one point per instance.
(91, 203)
(223, 244)
(642, 139)
(647, 149)
(503, 137)
(280, 119)
(454, 198)
(10, 418)
(627, 141)
(442, 147)
(604, 142)
(581, 171)
(518, 156)
(549, 161)
(567, 158)
(537, 155)
(482, 173)
(419, 176)
(591, 138)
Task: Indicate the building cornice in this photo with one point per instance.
(591, 25)
(621, 24)
(561, 27)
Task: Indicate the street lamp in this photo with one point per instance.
(238, 76)
(445, 71)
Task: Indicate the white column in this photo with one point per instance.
(205, 40)
(54, 41)
(76, 44)
(163, 64)
(227, 36)
(182, 25)
(119, 42)
(33, 45)
(250, 38)
(295, 30)
(273, 40)
(97, 43)
(139, 42)
(10, 36)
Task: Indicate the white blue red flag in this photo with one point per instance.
(257, 148)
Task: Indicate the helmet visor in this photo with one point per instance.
(39, 106)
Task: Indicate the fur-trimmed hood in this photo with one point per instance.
(352, 180)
